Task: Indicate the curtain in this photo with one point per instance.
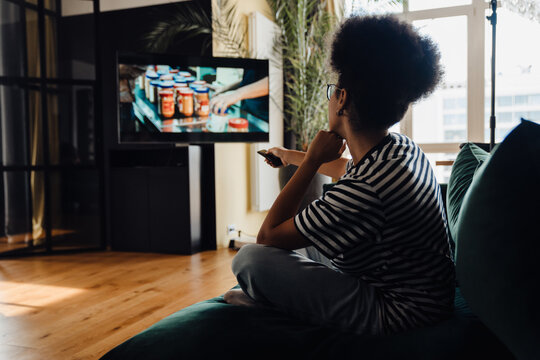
(37, 180)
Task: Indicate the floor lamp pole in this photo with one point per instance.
(492, 120)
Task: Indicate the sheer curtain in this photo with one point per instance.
(37, 180)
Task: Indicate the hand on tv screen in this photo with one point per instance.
(220, 103)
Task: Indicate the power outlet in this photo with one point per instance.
(231, 229)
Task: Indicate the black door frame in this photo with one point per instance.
(41, 84)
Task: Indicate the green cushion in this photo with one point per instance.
(467, 162)
(214, 329)
(499, 241)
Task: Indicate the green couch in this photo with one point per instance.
(214, 329)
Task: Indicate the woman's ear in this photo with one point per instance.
(342, 100)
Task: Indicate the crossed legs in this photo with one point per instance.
(303, 288)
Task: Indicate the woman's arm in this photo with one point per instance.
(334, 169)
(278, 228)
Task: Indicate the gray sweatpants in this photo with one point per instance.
(307, 289)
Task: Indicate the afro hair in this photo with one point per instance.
(385, 65)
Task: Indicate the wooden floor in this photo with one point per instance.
(80, 306)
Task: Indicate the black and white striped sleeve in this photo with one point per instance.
(348, 214)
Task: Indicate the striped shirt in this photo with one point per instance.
(384, 222)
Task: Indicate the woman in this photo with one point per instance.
(383, 224)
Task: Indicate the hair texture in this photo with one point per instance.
(384, 65)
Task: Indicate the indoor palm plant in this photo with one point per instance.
(304, 26)
(302, 41)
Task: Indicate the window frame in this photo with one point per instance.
(475, 13)
(475, 70)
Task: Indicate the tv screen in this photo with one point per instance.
(186, 99)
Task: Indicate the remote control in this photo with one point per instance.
(274, 160)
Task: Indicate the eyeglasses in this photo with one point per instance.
(330, 89)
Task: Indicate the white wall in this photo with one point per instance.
(233, 167)
(265, 179)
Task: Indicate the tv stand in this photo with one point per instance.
(163, 200)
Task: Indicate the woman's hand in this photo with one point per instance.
(220, 103)
(327, 146)
(281, 153)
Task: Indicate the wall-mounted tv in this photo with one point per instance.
(186, 99)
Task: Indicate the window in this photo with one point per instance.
(428, 115)
(433, 4)
(455, 119)
(453, 103)
(454, 135)
(522, 100)
(504, 117)
(534, 99)
(534, 116)
(517, 68)
(501, 101)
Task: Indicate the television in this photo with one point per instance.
(187, 99)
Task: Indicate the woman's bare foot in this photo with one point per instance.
(238, 297)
